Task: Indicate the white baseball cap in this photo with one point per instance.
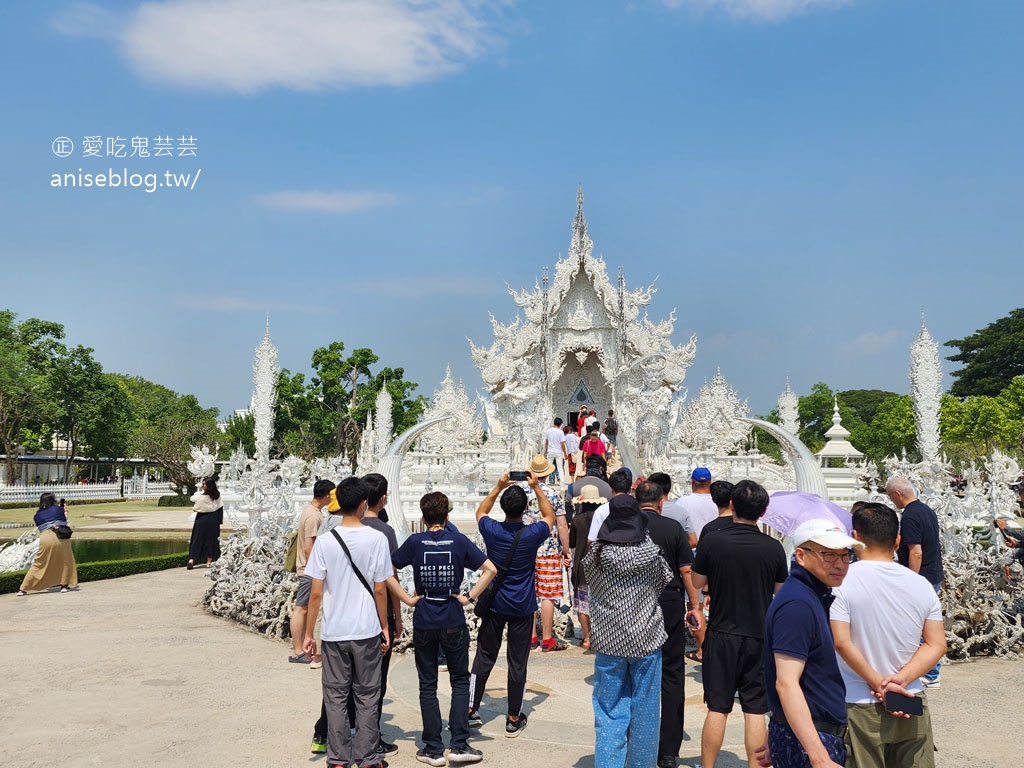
(827, 533)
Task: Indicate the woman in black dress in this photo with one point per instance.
(209, 511)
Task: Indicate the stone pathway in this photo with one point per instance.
(132, 670)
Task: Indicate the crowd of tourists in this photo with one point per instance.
(836, 655)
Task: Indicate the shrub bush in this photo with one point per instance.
(174, 500)
(108, 569)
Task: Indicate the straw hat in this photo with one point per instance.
(541, 467)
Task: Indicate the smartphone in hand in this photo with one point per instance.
(517, 476)
(908, 705)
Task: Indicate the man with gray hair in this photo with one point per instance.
(919, 543)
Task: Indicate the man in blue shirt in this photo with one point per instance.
(439, 557)
(806, 692)
(515, 601)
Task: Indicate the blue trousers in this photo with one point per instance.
(627, 710)
(788, 752)
(933, 673)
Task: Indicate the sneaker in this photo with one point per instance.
(475, 721)
(931, 684)
(465, 755)
(667, 761)
(554, 645)
(386, 748)
(319, 746)
(21, 593)
(514, 728)
(425, 757)
(302, 658)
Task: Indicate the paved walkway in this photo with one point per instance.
(133, 670)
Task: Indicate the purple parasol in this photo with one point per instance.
(788, 509)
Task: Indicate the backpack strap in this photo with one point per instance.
(348, 554)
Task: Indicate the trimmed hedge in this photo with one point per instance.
(72, 503)
(108, 569)
(174, 501)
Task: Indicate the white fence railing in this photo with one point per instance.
(134, 488)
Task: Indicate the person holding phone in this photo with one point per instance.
(880, 613)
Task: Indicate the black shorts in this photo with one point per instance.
(303, 590)
(733, 663)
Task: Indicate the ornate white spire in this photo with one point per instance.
(926, 391)
(789, 410)
(383, 421)
(581, 245)
(838, 445)
(264, 396)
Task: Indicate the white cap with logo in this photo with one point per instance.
(827, 533)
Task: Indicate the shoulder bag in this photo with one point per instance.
(483, 603)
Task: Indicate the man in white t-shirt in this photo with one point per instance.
(880, 613)
(572, 455)
(554, 450)
(699, 508)
(350, 582)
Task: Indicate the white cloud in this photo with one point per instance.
(251, 45)
(756, 9)
(87, 20)
(326, 202)
(871, 343)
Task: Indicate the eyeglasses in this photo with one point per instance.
(829, 557)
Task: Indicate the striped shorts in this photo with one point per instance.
(549, 577)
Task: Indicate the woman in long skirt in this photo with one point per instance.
(205, 543)
(55, 562)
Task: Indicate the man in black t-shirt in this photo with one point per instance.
(919, 548)
(742, 568)
(721, 493)
(671, 540)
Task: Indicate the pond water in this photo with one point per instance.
(96, 550)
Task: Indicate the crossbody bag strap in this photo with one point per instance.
(508, 560)
(344, 546)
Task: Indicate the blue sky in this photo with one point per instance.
(801, 176)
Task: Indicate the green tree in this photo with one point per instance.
(815, 411)
(239, 431)
(973, 427)
(892, 431)
(991, 356)
(27, 352)
(80, 391)
(163, 426)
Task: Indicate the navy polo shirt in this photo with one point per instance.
(797, 625)
(439, 560)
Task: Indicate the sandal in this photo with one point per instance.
(302, 658)
(64, 589)
(694, 657)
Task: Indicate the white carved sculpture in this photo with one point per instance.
(203, 464)
(383, 431)
(713, 420)
(367, 455)
(463, 429)
(789, 411)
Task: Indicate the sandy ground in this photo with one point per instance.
(133, 671)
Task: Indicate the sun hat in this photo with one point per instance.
(827, 533)
(590, 494)
(540, 466)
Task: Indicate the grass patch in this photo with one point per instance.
(110, 569)
(80, 514)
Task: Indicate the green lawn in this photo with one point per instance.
(79, 514)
